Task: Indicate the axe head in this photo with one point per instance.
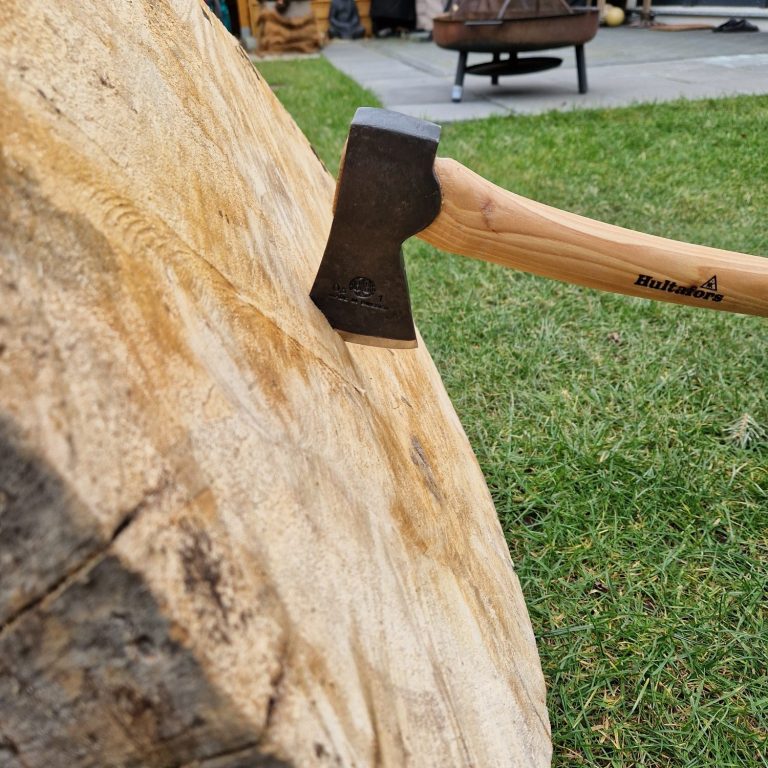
(386, 192)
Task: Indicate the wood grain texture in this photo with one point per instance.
(227, 539)
(481, 220)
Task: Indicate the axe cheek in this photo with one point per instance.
(387, 192)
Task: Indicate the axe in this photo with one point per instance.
(392, 186)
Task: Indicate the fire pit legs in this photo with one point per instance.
(581, 68)
(458, 85)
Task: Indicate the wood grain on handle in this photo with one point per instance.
(481, 220)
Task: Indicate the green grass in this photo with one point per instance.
(624, 441)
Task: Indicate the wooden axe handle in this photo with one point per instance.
(481, 220)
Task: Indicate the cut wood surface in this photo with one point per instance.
(227, 538)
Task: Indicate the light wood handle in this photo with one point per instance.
(481, 220)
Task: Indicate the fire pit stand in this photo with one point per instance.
(512, 27)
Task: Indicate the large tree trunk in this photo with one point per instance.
(226, 537)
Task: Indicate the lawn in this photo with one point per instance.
(625, 442)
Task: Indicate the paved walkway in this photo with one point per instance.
(624, 66)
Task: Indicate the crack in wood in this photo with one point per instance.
(81, 568)
(276, 682)
(229, 758)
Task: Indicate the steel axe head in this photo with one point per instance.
(386, 192)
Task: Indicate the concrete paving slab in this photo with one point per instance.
(417, 94)
(624, 66)
(446, 112)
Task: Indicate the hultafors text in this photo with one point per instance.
(706, 292)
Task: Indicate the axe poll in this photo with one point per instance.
(391, 186)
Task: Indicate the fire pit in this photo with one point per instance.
(511, 27)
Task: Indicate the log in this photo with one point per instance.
(227, 538)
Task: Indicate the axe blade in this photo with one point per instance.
(387, 191)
